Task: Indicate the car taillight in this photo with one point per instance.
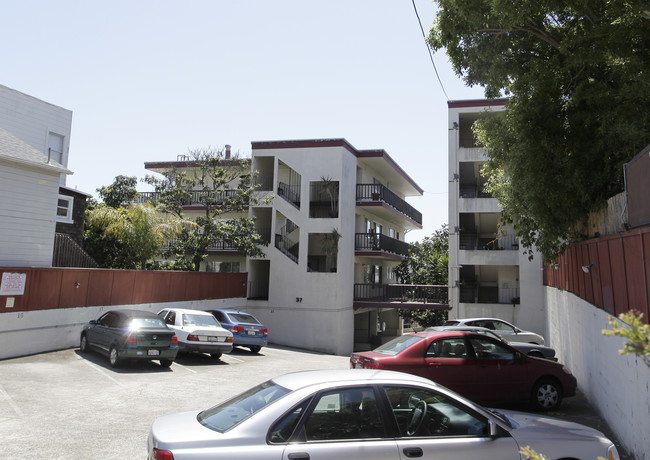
(192, 338)
(158, 454)
(229, 339)
(264, 331)
(130, 338)
(236, 329)
(174, 339)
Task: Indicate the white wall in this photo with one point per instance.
(28, 199)
(25, 333)
(616, 385)
(31, 120)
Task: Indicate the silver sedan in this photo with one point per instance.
(364, 414)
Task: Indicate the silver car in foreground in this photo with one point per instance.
(364, 414)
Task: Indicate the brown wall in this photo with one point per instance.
(50, 288)
(620, 277)
(637, 173)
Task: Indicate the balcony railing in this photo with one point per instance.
(197, 197)
(473, 241)
(471, 292)
(378, 242)
(216, 246)
(291, 193)
(418, 293)
(377, 192)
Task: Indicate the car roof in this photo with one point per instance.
(298, 380)
(479, 319)
(187, 310)
(459, 328)
(133, 313)
(229, 310)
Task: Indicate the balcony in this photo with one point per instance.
(413, 296)
(472, 292)
(217, 246)
(376, 244)
(474, 241)
(194, 198)
(371, 194)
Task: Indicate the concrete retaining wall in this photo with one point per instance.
(29, 332)
(618, 386)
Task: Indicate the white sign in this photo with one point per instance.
(13, 283)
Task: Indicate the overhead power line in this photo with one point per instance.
(429, 49)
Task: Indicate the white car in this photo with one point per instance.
(197, 331)
(365, 414)
(506, 330)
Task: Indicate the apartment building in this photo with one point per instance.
(334, 218)
(489, 274)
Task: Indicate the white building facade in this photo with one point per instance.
(489, 274)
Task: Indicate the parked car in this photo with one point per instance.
(197, 331)
(503, 328)
(476, 366)
(364, 415)
(246, 330)
(130, 334)
(530, 349)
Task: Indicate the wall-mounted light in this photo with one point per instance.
(77, 284)
(587, 268)
(456, 176)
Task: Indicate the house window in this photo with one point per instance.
(64, 209)
(55, 147)
(222, 267)
(372, 274)
(390, 273)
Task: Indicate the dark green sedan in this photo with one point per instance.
(130, 335)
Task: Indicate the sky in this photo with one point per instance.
(150, 80)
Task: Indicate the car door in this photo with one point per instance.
(101, 334)
(432, 425)
(446, 362)
(502, 372)
(345, 423)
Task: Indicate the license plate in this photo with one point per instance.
(153, 352)
(213, 339)
(252, 332)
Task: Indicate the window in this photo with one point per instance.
(64, 209)
(488, 349)
(55, 147)
(222, 267)
(372, 274)
(348, 413)
(448, 348)
(390, 273)
(427, 413)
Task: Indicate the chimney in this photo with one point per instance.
(227, 152)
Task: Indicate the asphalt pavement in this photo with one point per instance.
(68, 405)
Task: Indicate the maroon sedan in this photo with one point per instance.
(474, 365)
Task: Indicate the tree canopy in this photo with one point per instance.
(427, 263)
(577, 78)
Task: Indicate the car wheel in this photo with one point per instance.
(114, 357)
(547, 395)
(166, 362)
(255, 349)
(215, 355)
(83, 344)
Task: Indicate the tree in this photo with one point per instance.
(134, 235)
(427, 263)
(578, 82)
(224, 188)
(120, 193)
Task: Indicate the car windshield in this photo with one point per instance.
(199, 320)
(141, 323)
(397, 345)
(243, 318)
(228, 414)
(452, 323)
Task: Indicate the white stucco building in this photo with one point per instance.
(335, 227)
(489, 275)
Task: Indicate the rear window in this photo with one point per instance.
(397, 345)
(199, 320)
(228, 414)
(139, 323)
(243, 318)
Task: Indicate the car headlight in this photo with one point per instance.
(612, 453)
(566, 370)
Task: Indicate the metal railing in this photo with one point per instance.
(420, 293)
(291, 193)
(378, 192)
(471, 292)
(196, 197)
(379, 242)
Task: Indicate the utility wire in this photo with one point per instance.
(429, 49)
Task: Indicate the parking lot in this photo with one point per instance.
(70, 405)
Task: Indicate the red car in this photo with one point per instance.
(475, 366)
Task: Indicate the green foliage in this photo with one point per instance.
(635, 331)
(128, 238)
(120, 193)
(221, 186)
(578, 82)
(427, 263)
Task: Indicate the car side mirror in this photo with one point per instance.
(519, 356)
(494, 430)
(92, 322)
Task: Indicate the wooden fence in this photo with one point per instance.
(610, 272)
(52, 288)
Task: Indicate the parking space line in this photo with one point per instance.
(184, 367)
(233, 358)
(11, 402)
(104, 373)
